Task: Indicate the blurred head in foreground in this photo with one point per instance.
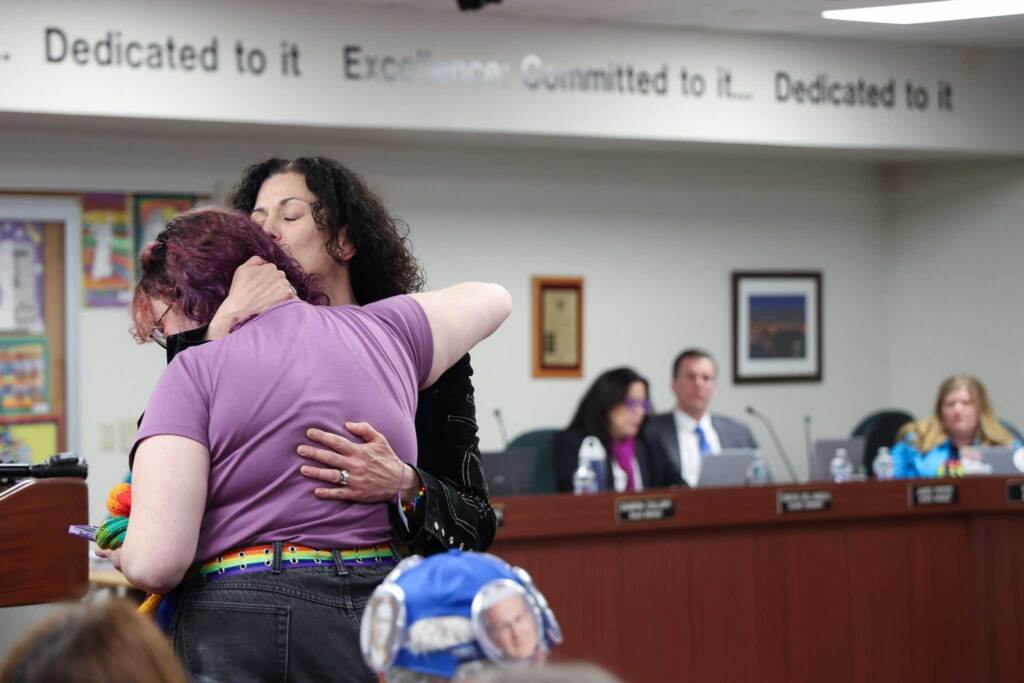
(453, 616)
(107, 641)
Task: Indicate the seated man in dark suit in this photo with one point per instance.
(691, 432)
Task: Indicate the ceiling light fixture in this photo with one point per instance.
(928, 12)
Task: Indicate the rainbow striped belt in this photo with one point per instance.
(260, 558)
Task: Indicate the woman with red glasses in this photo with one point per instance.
(614, 410)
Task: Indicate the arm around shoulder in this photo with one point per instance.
(460, 317)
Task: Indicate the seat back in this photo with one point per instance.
(539, 440)
(1010, 427)
(880, 429)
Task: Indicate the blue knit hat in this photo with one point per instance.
(433, 615)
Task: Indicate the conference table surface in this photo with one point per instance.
(919, 580)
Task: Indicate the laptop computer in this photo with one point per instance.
(825, 450)
(728, 468)
(509, 472)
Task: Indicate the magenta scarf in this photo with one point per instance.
(624, 451)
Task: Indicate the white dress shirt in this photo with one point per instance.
(689, 447)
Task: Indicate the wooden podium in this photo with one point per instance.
(876, 582)
(41, 562)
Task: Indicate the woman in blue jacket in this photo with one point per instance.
(962, 417)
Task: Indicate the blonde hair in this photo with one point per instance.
(94, 642)
(930, 432)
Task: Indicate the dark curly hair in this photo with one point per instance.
(383, 264)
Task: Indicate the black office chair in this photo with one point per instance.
(540, 440)
(1010, 427)
(879, 429)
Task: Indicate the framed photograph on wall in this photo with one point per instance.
(557, 327)
(776, 326)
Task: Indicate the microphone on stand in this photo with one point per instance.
(775, 438)
(808, 439)
(501, 428)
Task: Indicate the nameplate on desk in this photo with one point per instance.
(499, 516)
(1015, 491)
(933, 494)
(645, 509)
(804, 501)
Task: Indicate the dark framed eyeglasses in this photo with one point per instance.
(157, 334)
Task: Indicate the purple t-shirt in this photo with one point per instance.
(250, 397)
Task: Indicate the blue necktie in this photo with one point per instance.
(702, 441)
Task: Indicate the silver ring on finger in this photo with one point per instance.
(342, 477)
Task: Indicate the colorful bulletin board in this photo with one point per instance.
(153, 212)
(21, 277)
(24, 376)
(107, 254)
(29, 441)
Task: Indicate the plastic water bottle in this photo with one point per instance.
(757, 471)
(840, 468)
(884, 467)
(589, 475)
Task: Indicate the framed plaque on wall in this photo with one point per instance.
(557, 326)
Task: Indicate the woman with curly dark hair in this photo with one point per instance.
(359, 235)
(336, 228)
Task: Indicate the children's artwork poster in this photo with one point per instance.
(30, 442)
(153, 212)
(107, 254)
(21, 277)
(24, 376)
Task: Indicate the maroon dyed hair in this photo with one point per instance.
(193, 260)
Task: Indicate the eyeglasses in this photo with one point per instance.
(638, 404)
(157, 334)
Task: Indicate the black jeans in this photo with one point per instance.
(295, 625)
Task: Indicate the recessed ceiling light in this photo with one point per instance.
(928, 12)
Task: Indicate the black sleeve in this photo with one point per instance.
(456, 512)
(565, 449)
(663, 472)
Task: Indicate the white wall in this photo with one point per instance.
(655, 236)
(955, 293)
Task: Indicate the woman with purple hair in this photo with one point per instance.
(220, 511)
(328, 220)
